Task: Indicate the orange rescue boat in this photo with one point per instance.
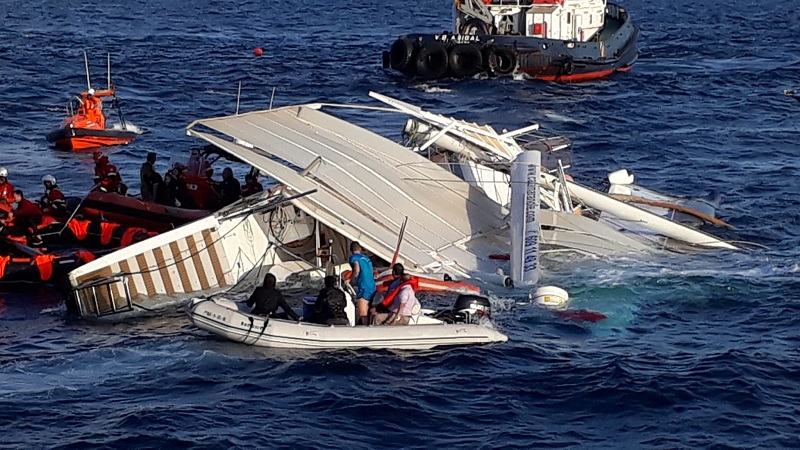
(85, 125)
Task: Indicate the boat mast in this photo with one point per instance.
(238, 97)
(86, 65)
(108, 71)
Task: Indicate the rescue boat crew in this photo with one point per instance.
(6, 188)
(26, 218)
(93, 108)
(52, 201)
(106, 175)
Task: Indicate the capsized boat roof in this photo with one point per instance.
(366, 184)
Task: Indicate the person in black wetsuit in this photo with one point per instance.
(267, 299)
(230, 190)
(330, 304)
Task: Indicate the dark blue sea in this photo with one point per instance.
(699, 351)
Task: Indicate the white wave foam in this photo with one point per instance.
(428, 89)
(128, 127)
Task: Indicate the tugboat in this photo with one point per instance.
(85, 125)
(552, 40)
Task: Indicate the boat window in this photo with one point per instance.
(569, 17)
(590, 19)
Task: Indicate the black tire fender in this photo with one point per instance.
(502, 60)
(431, 60)
(465, 60)
(400, 54)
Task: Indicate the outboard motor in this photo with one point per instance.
(470, 308)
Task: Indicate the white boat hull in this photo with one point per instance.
(222, 319)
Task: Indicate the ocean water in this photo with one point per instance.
(699, 351)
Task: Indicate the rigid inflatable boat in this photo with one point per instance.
(134, 212)
(467, 324)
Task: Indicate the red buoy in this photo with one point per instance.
(258, 51)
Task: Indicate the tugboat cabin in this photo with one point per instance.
(568, 20)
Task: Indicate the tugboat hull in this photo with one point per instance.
(436, 56)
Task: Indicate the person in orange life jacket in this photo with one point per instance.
(399, 300)
(52, 201)
(93, 108)
(6, 188)
(251, 186)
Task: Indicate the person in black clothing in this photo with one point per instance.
(230, 190)
(268, 298)
(330, 304)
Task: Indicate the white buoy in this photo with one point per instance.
(525, 217)
(550, 297)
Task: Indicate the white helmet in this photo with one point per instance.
(90, 91)
(3, 172)
(49, 178)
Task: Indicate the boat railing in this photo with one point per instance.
(98, 297)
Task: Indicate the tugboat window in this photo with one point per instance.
(569, 17)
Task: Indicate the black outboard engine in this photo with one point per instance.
(470, 308)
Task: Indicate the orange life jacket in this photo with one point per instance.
(390, 295)
(80, 228)
(45, 265)
(7, 192)
(3, 262)
(107, 232)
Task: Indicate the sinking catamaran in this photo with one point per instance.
(340, 183)
(484, 158)
(364, 187)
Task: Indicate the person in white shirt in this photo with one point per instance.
(403, 301)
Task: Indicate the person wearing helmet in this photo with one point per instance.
(6, 188)
(52, 202)
(93, 108)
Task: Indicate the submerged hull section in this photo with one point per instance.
(436, 56)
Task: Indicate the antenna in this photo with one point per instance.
(238, 97)
(272, 98)
(108, 72)
(86, 65)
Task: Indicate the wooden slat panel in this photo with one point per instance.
(219, 271)
(146, 275)
(182, 271)
(198, 264)
(126, 268)
(158, 253)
